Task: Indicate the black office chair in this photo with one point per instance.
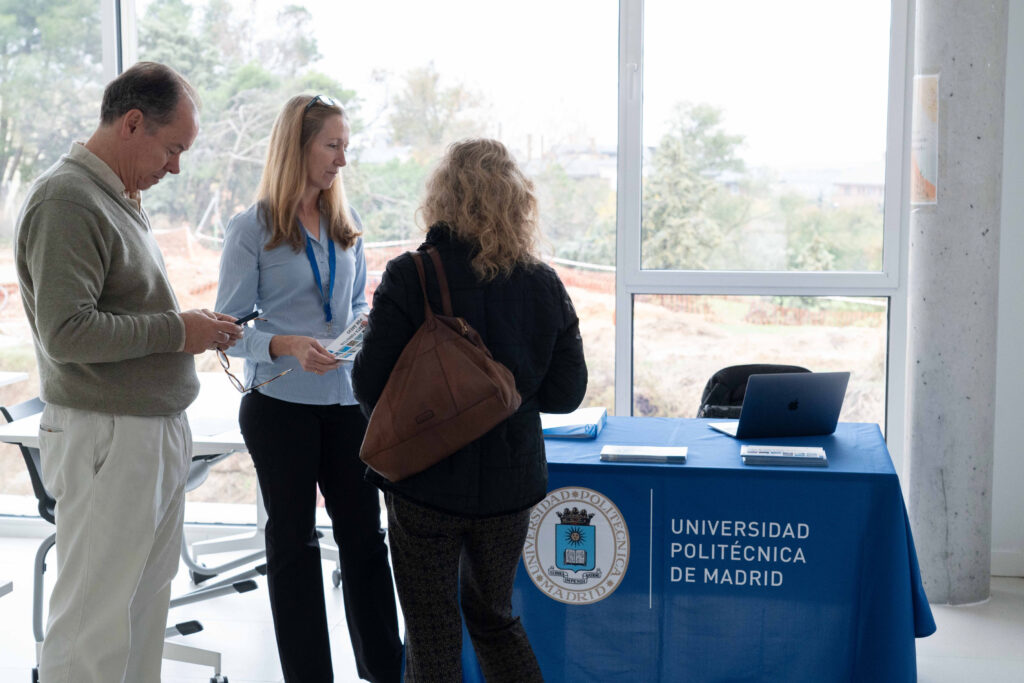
(723, 394)
(47, 506)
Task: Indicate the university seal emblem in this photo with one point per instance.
(577, 546)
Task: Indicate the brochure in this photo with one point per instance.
(800, 456)
(583, 423)
(666, 454)
(348, 343)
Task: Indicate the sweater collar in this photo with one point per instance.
(81, 154)
(441, 234)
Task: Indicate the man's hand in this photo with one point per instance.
(206, 330)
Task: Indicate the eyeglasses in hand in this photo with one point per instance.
(225, 363)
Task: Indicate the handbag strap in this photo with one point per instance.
(428, 312)
(442, 282)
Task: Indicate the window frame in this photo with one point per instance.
(889, 282)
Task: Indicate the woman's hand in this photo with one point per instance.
(311, 355)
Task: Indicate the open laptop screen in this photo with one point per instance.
(789, 404)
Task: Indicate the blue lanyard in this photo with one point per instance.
(316, 274)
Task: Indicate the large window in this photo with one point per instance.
(764, 134)
(761, 199)
(412, 87)
(680, 341)
(51, 78)
(425, 82)
(719, 182)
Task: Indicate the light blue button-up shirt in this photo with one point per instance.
(281, 282)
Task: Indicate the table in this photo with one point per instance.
(5, 379)
(213, 417)
(12, 377)
(716, 571)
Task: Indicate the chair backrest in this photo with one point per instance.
(46, 503)
(723, 394)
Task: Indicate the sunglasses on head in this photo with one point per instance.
(322, 99)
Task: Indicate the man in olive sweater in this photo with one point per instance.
(117, 371)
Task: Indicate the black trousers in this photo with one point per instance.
(295, 447)
(443, 561)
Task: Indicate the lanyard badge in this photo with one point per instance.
(325, 297)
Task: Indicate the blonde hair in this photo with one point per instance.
(486, 200)
(284, 176)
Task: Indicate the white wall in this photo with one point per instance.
(1008, 474)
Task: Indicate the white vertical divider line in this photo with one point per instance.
(650, 556)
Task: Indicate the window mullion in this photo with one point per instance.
(630, 157)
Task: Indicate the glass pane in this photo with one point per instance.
(430, 78)
(764, 135)
(592, 290)
(681, 340)
(51, 81)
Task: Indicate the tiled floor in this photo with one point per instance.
(982, 643)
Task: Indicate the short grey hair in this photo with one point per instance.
(152, 88)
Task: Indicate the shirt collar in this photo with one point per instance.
(322, 239)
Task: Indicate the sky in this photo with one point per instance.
(803, 81)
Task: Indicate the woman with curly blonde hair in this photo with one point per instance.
(457, 529)
(480, 193)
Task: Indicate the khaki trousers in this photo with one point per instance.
(119, 483)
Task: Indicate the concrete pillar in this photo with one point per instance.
(952, 293)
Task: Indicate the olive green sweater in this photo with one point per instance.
(103, 315)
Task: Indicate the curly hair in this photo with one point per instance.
(284, 176)
(485, 199)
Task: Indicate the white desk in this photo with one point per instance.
(12, 377)
(9, 378)
(213, 418)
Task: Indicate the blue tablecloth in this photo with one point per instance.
(716, 571)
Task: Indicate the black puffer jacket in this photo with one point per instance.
(529, 324)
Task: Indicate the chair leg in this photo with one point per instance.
(226, 587)
(193, 655)
(254, 541)
(330, 553)
(37, 590)
(200, 572)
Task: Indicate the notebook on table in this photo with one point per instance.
(582, 423)
(789, 404)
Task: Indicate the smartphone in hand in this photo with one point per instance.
(246, 318)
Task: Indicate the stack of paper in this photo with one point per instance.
(801, 456)
(667, 454)
(584, 423)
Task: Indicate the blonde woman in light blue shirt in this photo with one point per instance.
(297, 255)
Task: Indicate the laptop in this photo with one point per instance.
(789, 404)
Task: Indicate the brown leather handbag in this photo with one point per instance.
(445, 391)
